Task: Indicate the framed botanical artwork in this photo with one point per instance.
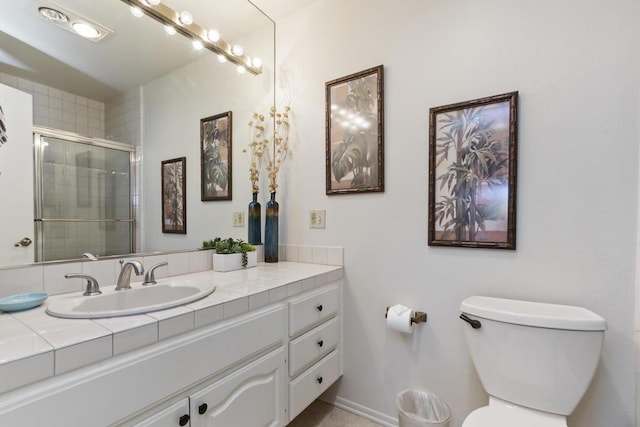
(215, 157)
(355, 132)
(472, 173)
(174, 196)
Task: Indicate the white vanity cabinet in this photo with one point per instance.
(258, 368)
(253, 396)
(172, 416)
(315, 331)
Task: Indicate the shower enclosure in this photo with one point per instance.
(84, 191)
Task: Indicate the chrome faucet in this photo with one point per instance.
(92, 284)
(149, 277)
(124, 279)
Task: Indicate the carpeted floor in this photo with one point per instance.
(321, 414)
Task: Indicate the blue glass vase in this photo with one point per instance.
(271, 230)
(255, 229)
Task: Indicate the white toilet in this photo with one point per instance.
(535, 360)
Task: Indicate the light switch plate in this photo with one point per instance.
(238, 219)
(317, 218)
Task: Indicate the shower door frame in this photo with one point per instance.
(40, 132)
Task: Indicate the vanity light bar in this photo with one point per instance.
(167, 16)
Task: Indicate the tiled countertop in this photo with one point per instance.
(35, 345)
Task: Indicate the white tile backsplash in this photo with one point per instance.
(50, 277)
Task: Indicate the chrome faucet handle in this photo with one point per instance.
(149, 277)
(124, 279)
(92, 284)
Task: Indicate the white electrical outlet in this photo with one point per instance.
(317, 218)
(238, 219)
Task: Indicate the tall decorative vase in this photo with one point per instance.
(255, 230)
(271, 230)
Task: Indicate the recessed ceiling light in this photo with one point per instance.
(85, 30)
(53, 14)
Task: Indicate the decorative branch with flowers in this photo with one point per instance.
(271, 147)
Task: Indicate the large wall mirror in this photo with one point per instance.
(139, 91)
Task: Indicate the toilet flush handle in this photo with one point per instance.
(475, 324)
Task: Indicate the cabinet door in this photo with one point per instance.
(173, 416)
(251, 396)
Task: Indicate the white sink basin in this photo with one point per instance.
(138, 300)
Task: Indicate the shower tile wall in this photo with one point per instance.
(123, 124)
(61, 110)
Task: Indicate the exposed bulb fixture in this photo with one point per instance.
(137, 12)
(213, 35)
(183, 22)
(85, 30)
(237, 50)
(186, 18)
(53, 14)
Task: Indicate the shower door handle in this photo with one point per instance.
(24, 242)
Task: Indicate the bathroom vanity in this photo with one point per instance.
(255, 352)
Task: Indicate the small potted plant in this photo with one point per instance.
(232, 254)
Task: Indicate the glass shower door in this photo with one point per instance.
(84, 201)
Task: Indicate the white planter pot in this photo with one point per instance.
(229, 262)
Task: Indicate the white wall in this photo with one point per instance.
(576, 67)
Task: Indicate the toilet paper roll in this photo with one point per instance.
(399, 318)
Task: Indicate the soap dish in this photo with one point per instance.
(22, 301)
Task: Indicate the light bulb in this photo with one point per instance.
(137, 12)
(222, 59)
(197, 44)
(237, 50)
(213, 35)
(186, 18)
(169, 30)
(241, 69)
(257, 62)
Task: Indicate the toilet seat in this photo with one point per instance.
(503, 414)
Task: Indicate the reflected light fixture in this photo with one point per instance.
(183, 23)
(85, 30)
(169, 30)
(71, 21)
(197, 45)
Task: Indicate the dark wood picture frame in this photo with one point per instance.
(174, 195)
(355, 132)
(215, 157)
(472, 173)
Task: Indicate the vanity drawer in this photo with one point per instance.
(311, 384)
(312, 346)
(312, 309)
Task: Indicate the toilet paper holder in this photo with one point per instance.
(418, 316)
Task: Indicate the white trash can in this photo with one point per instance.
(422, 409)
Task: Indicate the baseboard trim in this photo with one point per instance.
(363, 411)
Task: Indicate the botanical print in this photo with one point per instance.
(174, 203)
(3, 127)
(354, 133)
(472, 152)
(215, 145)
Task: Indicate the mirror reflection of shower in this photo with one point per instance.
(83, 196)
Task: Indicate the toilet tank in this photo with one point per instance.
(542, 356)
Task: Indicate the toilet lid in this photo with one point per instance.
(501, 416)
